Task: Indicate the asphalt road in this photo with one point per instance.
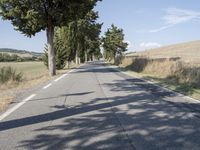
(96, 107)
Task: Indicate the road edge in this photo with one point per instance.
(33, 93)
(153, 83)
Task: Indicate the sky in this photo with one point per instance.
(146, 24)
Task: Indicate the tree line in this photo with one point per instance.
(71, 29)
(79, 41)
(5, 57)
(16, 51)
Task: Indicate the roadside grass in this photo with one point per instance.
(175, 66)
(8, 74)
(4, 101)
(30, 70)
(34, 74)
(167, 82)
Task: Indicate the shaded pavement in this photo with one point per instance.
(96, 107)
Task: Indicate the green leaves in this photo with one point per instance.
(30, 16)
(84, 35)
(113, 42)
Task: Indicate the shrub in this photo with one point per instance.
(137, 64)
(189, 74)
(60, 55)
(9, 74)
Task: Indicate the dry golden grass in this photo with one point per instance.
(178, 75)
(188, 52)
(4, 101)
(175, 66)
(29, 69)
(184, 72)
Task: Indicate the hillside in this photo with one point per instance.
(189, 51)
(21, 53)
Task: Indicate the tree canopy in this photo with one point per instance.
(88, 37)
(32, 16)
(113, 42)
(79, 40)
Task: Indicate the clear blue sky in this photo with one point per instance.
(146, 24)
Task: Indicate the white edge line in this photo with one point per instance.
(72, 70)
(64, 75)
(45, 87)
(60, 77)
(177, 93)
(11, 110)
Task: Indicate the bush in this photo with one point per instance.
(189, 74)
(9, 74)
(60, 55)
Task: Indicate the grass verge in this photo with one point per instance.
(169, 83)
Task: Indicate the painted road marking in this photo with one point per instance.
(45, 87)
(11, 110)
(64, 75)
(60, 77)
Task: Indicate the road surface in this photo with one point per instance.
(96, 107)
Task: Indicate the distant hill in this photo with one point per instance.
(21, 53)
(189, 51)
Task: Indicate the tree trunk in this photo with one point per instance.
(68, 64)
(77, 54)
(86, 56)
(79, 60)
(93, 58)
(51, 51)
(77, 57)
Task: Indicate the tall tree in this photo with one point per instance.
(63, 45)
(32, 16)
(94, 41)
(113, 43)
(88, 35)
(81, 37)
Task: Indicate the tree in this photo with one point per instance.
(88, 40)
(32, 16)
(94, 42)
(79, 38)
(113, 43)
(61, 47)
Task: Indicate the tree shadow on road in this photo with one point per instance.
(139, 119)
(58, 96)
